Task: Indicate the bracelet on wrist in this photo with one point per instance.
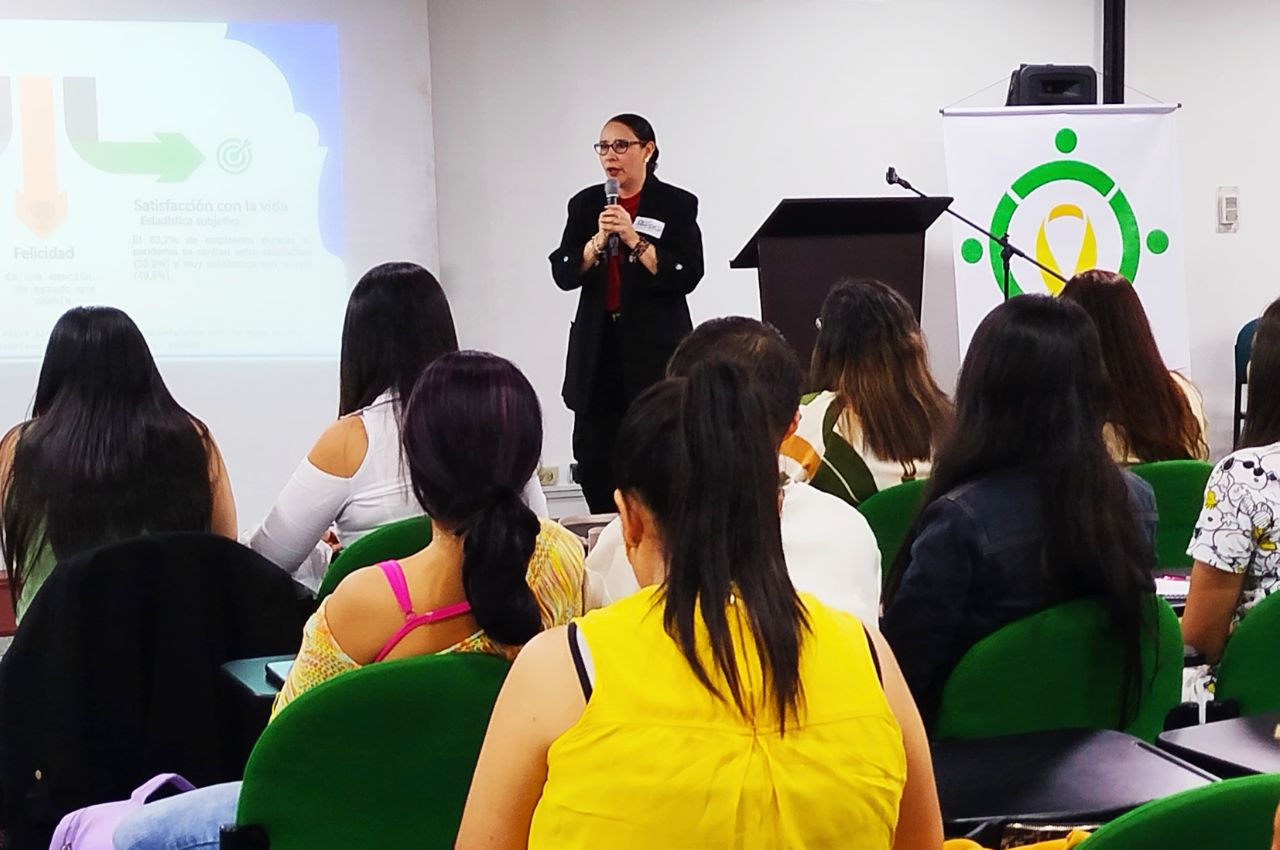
(638, 251)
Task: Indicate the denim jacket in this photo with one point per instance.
(974, 567)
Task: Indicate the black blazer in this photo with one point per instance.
(654, 316)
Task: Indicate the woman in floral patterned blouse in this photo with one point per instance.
(1237, 562)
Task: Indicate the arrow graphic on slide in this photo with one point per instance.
(41, 207)
(171, 158)
(6, 115)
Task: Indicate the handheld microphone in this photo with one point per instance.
(611, 197)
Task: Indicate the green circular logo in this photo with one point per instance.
(1045, 176)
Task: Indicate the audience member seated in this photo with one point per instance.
(493, 576)
(830, 550)
(353, 480)
(1026, 508)
(717, 706)
(107, 454)
(880, 414)
(1234, 544)
(1154, 414)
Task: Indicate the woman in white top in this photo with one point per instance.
(881, 412)
(354, 479)
(1154, 414)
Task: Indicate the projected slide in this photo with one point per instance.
(187, 173)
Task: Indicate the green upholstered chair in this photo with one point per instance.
(890, 514)
(1249, 671)
(376, 757)
(1179, 487)
(398, 539)
(1061, 669)
(1236, 813)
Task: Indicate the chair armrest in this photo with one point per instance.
(247, 837)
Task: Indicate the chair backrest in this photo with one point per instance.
(1179, 488)
(1062, 668)
(398, 539)
(114, 675)
(377, 757)
(890, 514)
(582, 524)
(1236, 813)
(1249, 671)
(1244, 352)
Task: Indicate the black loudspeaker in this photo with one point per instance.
(1052, 85)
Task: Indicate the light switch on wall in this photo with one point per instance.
(1228, 209)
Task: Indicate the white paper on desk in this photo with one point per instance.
(1172, 588)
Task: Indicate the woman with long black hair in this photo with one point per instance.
(633, 258)
(1235, 543)
(107, 454)
(716, 707)
(1025, 508)
(354, 479)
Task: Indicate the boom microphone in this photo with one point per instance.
(891, 177)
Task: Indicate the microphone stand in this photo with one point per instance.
(1007, 249)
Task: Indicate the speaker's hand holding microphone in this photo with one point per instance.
(614, 219)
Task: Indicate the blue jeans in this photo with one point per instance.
(189, 821)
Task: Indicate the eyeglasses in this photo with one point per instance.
(619, 146)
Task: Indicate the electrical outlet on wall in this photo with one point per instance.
(548, 476)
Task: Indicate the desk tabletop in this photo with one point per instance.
(251, 674)
(1227, 748)
(1074, 776)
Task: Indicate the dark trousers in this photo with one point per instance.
(595, 430)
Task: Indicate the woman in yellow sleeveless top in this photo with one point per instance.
(716, 707)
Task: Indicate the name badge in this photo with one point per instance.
(649, 226)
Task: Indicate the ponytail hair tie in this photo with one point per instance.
(489, 498)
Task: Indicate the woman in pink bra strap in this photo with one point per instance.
(471, 430)
(400, 587)
(472, 435)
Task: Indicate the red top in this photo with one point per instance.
(613, 279)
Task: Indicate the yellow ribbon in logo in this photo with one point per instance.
(1088, 258)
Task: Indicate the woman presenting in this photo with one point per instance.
(634, 258)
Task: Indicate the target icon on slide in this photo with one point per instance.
(235, 156)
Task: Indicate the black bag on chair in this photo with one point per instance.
(113, 675)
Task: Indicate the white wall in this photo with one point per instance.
(266, 415)
(752, 100)
(1219, 61)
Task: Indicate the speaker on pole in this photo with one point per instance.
(1052, 85)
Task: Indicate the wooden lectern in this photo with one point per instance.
(808, 244)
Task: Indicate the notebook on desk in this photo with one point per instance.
(1172, 589)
